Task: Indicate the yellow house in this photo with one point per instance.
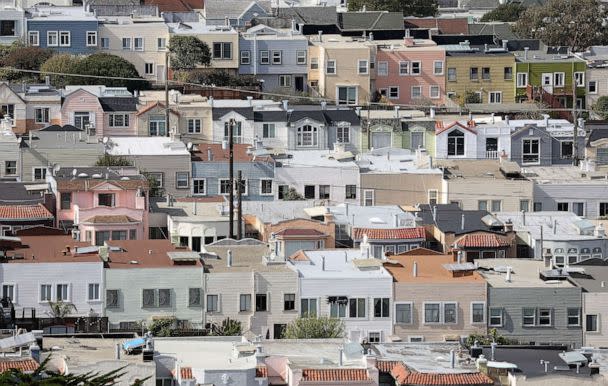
(339, 69)
(487, 73)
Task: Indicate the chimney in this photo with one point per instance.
(508, 277)
(194, 208)
(415, 269)
(523, 217)
(459, 257)
(47, 80)
(346, 209)
(328, 217)
(493, 347)
(117, 352)
(397, 111)
(250, 100)
(293, 25)
(485, 47)
(546, 120)
(462, 222)
(371, 36)
(210, 101)
(526, 49)
(322, 263)
(209, 154)
(432, 113)
(452, 359)
(365, 248)
(340, 360)
(285, 104)
(320, 36)
(493, 119)
(229, 258)
(226, 21)
(396, 220)
(507, 119)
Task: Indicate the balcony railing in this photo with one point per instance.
(491, 154)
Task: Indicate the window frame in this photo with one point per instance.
(262, 193)
(308, 313)
(360, 307)
(66, 34)
(30, 35)
(435, 67)
(415, 67)
(578, 316)
(365, 68)
(494, 95)
(382, 69)
(579, 79)
(42, 115)
(266, 130)
(285, 81)
(248, 303)
(561, 76)
(596, 319)
(350, 192)
(332, 67)
(523, 153)
(369, 194)
(91, 34)
(301, 57)
(8, 167)
(411, 311)
(472, 315)
(595, 83)
(125, 120)
(404, 68)
(96, 299)
(424, 313)
(68, 296)
(196, 127)
(194, 184)
(216, 309)
(177, 180)
(521, 80)
(491, 317)
(391, 95)
(452, 71)
(287, 302)
(245, 59)
(264, 57)
(438, 88)
(276, 57)
(152, 66)
(49, 286)
(56, 38)
(528, 320)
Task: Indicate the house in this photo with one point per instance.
(37, 270)
(596, 151)
(29, 106)
(395, 177)
(100, 110)
(437, 25)
(436, 299)
(492, 83)
(262, 216)
(164, 159)
(12, 24)
(210, 172)
(175, 292)
(101, 203)
(278, 58)
(240, 113)
(10, 160)
(531, 303)
(595, 74)
(330, 285)
(25, 206)
(566, 237)
(176, 6)
(71, 30)
(411, 71)
(142, 40)
(403, 130)
(492, 185)
(237, 13)
(245, 282)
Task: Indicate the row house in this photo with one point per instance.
(12, 23)
(100, 203)
(595, 58)
(278, 58)
(239, 14)
(25, 206)
(596, 148)
(29, 106)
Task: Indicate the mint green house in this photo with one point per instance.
(401, 133)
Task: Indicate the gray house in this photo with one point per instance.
(236, 13)
(529, 303)
(536, 145)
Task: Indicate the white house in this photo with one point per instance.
(457, 139)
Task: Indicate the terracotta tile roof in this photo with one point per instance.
(261, 372)
(334, 375)
(406, 377)
(386, 366)
(389, 234)
(300, 232)
(440, 127)
(24, 212)
(27, 364)
(110, 219)
(152, 105)
(186, 373)
(481, 240)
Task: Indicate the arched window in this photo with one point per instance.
(307, 136)
(456, 143)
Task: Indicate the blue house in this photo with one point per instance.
(65, 29)
(210, 173)
(277, 57)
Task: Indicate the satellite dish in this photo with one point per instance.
(105, 140)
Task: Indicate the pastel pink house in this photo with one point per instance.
(411, 71)
(101, 204)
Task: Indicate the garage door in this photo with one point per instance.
(602, 156)
(380, 140)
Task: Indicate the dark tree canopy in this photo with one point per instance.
(107, 65)
(188, 52)
(505, 12)
(25, 58)
(418, 8)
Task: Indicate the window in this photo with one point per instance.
(118, 120)
(33, 38)
(157, 126)
(237, 131)
(148, 68)
(362, 67)
(544, 316)
(432, 312)
(308, 308)
(52, 38)
(64, 38)
(111, 298)
(579, 79)
(266, 187)
(91, 38)
(268, 130)
(66, 200)
(225, 186)
(161, 44)
(478, 312)
(93, 291)
(482, 205)
(416, 68)
(559, 79)
(314, 63)
(132, 234)
(330, 68)
(404, 68)
(285, 81)
(393, 92)
(474, 73)
(449, 313)
(337, 309)
(456, 143)
(416, 92)
(194, 125)
(574, 316)
(264, 57)
(403, 313)
(245, 57)
(104, 43)
(562, 207)
(307, 136)
(592, 87)
(538, 206)
(524, 205)
(126, 43)
(547, 79)
(529, 316)
(7, 28)
(451, 74)
(522, 79)
(324, 192)
(119, 235)
(368, 197)
(222, 50)
(566, 149)
(62, 293)
(432, 196)
(495, 96)
(434, 92)
(198, 186)
(438, 67)
(42, 115)
(351, 192)
(309, 191)
(591, 323)
(182, 180)
(496, 205)
(356, 307)
(373, 337)
(194, 297)
(245, 303)
(382, 68)
(213, 303)
(46, 292)
(508, 73)
(10, 168)
(289, 302)
(164, 297)
(347, 95)
(495, 317)
(531, 151)
(381, 307)
(300, 57)
(8, 292)
(603, 209)
(485, 73)
(82, 119)
(277, 57)
(105, 199)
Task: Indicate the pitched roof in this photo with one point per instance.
(300, 232)
(110, 219)
(311, 15)
(219, 112)
(118, 103)
(370, 21)
(186, 373)
(60, 128)
(446, 26)
(389, 233)
(385, 366)
(152, 105)
(176, 5)
(440, 127)
(404, 376)
(334, 375)
(27, 364)
(481, 240)
(596, 134)
(24, 212)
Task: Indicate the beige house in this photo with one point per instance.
(29, 106)
(339, 69)
(435, 301)
(142, 40)
(244, 282)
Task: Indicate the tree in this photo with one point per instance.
(471, 97)
(601, 107)
(216, 77)
(577, 24)
(315, 328)
(61, 309)
(228, 327)
(504, 12)
(418, 8)
(113, 160)
(292, 195)
(484, 340)
(162, 327)
(61, 63)
(187, 52)
(25, 58)
(108, 66)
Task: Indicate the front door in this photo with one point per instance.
(299, 83)
(380, 140)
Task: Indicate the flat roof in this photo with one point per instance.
(199, 28)
(147, 254)
(392, 160)
(317, 158)
(429, 268)
(53, 13)
(569, 225)
(425, 357)
(568, 174)
(525, 273)
(339, 263)
(379, 216)
(196, 209)
(272, 212)
(245, 258)
(315, 353)
(160, 146)
(83, 352)
(474, 169)
(209, 353)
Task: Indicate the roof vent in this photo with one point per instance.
(96, 175)
(133, 262)
(83, 175)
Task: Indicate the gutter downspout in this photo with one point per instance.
(255, 54)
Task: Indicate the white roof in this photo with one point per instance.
(371, 216)
(338, 264)
(205, 353)
(234, 103)
(392, 160)
(275, 211)
(198, 28)
(567, 224)
(40, 13)
(320, 158)
(146, 146)
(524, 273)
(567, 174)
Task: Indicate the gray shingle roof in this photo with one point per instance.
(246, 112)
(125, 10)
(219, 9)
(370, 21)
(118, 103)
(449, 218)
(500, 30)
(310, 15)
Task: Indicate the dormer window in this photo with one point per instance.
(105, 199)
(456, 143)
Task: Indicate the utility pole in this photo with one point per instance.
(167, 126)
(239, 184)
(574, 119)
(231, 177)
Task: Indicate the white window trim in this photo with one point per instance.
(247, 57)
(143, 44)
(389, 92)
(502, 317)
(596, 84)
(29, 38)
(234, 186)
(272, 186)
(69, 39)
(34, 172)
(40, 301)
(98, 300)
(379, 332)
(411, 304)
(273, 57)
(424, 322)
(359, 67)
(442, 67)
(517, 83)
(153, 68)
(522, 151)
(431, 91)
(412, 91)
(563, 76)
(205, 187)
(219, 304)
(495, 93)
(412, 338)
(551, 311)
(582, 79)
(485, 311)
(48, 34)
(535, 323)
(91, 33)
(436, 191)
(382, 73)
(69, 297)
(335, 69)
(412, 68)
(177, 180)
(194, 126)
(285, 81)
(443, 304)
(598, 323)
(251, 303)
(408, 72)
(301, 54)
(267, 58)
(43, 121)
(122, 44)
(373, 192)
(347, 103)
(546, 75)
(15, 299)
